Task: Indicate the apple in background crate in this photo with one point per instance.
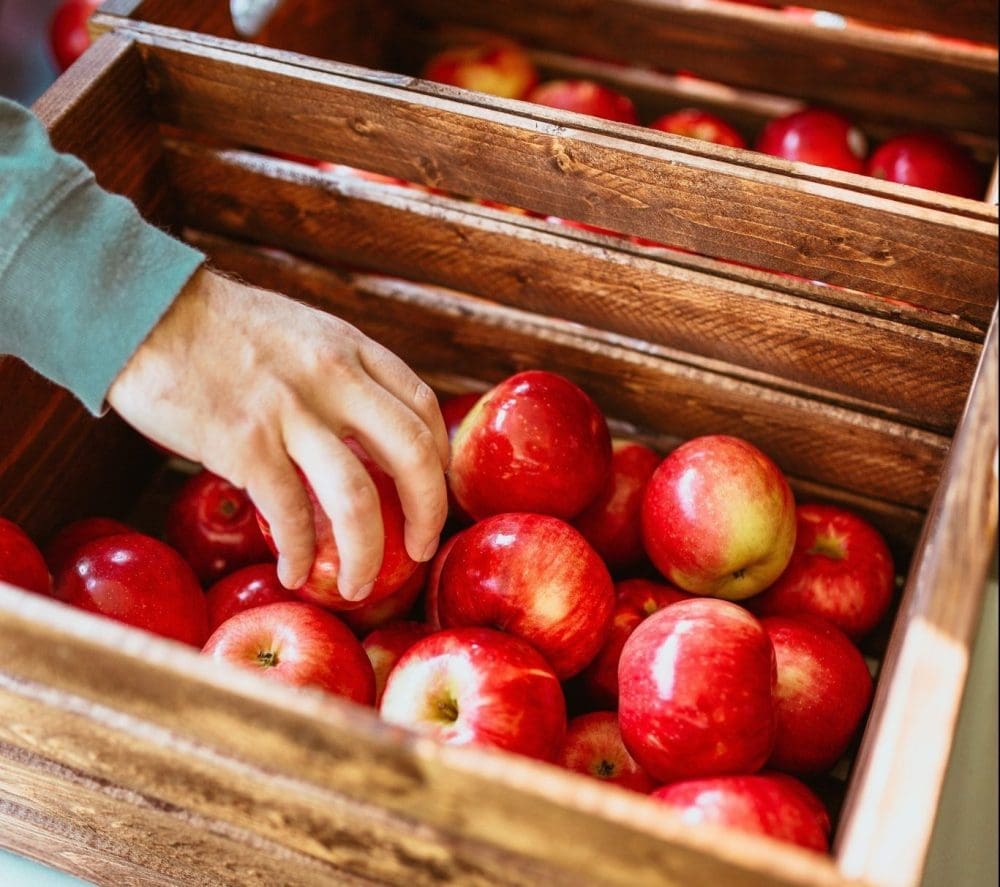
(927, 160)
(60, 551)
(387, 644)
(21, 563)
(497, 66)
(697, 124)
(818, 136)
(244, 589)
(585, 97)
(594, 747)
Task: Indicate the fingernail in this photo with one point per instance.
(429, 551)
(357, 594)
(286, 577)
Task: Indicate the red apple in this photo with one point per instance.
(248, 587)
(298, 644)
(213, 524)
(824, 690)
(718, 518)
(21, 563)
(386, 645)
(396, 606)
(696, 691)
(533, 576)
(453, 411)
(928, 160)
(697, 124)
(320, 586)
(611, 523)
(498, 67)
(61, 549)
(771, 804)
(140, 581)
(841, 570)
(635, 599)
(818, 136)
(68, 35)
(478, 686)
(511, 452)
(594, 746)
(431, 615)
(585, 97)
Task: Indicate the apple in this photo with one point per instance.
(718, 518)
(431, 615)
(585, 97)
(841, 570)
(818, 136)
(140, 581)
(927, 160)
(594, 747)
(696, 685)
(213, 524)
(824, 690)
(21, 563)
(244, 589)
(478, 686)
(771, 804)
(60, 551)
(386, 644)
(68, 35)
(533, 576)
(320, 586)
(298, 644)
(498, 66)
(512, 451)
(697, 124)
(635, 599)
(612, 522)
(396, 606)
(453, 411)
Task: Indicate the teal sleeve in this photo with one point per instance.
(83, 279)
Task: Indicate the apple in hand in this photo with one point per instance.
(611, 523)
(244, 589)
(298, 644)
(140, 581)
(386, 645)
(841, 570)
(498, 67)
(478, 686)
(927, 160)
(60, 551)
(718, 518)
(213, 524)
(824, 690)
(771, 804)
(818, 136)
(585, 97)
(533, 576)
(320, 586)
(594, 747)
(396, 606)
(21, 563)
(697, 124)
(696, 688)
(535, 443)
(635, 599)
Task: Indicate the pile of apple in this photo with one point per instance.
(701, 625)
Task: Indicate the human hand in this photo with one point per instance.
(250, 384)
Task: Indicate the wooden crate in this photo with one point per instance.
(124, 756)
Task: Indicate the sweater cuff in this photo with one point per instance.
(87, 286)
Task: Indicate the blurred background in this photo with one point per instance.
(27, 66)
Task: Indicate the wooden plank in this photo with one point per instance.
(919, 376)
(901, 764)
(907, 78)
(695, 200)
(432, 328)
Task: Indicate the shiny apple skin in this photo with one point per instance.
(824, 690)
(453, 411)
(320, 586)
(534, 443)
(395, 606)
(478, 686)
(533, 576)
(594, 747)
(244, 589)
(635, 600)
(138, 580)
(696, 692)
(612, 522)
(61, 549)
(771, 804)
(433, 587)
(213, 524)
(585, 97)
(841, 570)
(698, 124)
(496, 67)
(817, 136)
(386, 645)
(718, 518)
(927, 160)
(297, 644)
(21, 562)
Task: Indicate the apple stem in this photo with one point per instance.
(448, 709)
(267, 658)
(605, 769)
